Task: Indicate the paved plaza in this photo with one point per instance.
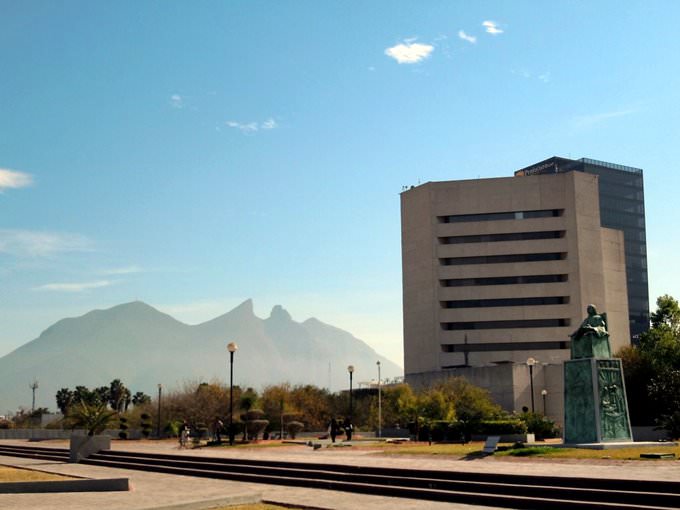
(162, 491)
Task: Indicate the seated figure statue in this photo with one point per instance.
(591, 339)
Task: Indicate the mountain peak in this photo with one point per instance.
(245, 308)
(133, 305)
(279, 313)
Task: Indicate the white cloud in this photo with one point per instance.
(469, 38)
(176, 101)
(269, 124)
(32, 243)
(492, 27)
(252, 127)
(14, 179)
(545, 77)
(409, 52)
(75, 287)
(581, 121)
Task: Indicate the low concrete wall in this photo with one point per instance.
(38, 434)
(34, 434)
(101, 485)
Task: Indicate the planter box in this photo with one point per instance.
(83, 446)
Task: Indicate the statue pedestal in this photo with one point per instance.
(595, 405)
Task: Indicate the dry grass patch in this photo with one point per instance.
(453, 450)
(475, 448)
(584, 453)
(9, 474)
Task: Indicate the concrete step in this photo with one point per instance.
(35, 453)
(495, 490)
(490, 489)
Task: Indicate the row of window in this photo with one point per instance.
(501, 259)
(510, 215)
(504, 280)
(512, 236)
(506, 346)
(508, 324)
(490, 303)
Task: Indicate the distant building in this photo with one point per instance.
(622, 206)
(497, 271)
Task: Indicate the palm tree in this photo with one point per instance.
(93, 418)
(64, 400)
(84, 395)
(127, 398)
(101, 395)
(140, 398)
(117, 395)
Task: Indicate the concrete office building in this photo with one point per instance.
(497, 271)
(622, 206)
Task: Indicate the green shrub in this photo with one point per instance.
(501, 427)
(540, 425)
(172, 428)
(123, 426)
(254, 414)
(293, 427)
(146, 424)
(255, 427)
(527, 452)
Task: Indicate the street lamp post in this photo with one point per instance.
(350, 369)
(530, 363)
(544, 393)
(379, 402)
(232, 348)
(158, 421)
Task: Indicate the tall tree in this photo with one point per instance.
(140, 398)
(651, 368)
(102, 395)
(82, 394)
(117, 395)
(667, 314)
(64, 400)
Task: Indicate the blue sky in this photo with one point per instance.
(196, 154)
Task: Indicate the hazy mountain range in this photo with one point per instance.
(142, 346)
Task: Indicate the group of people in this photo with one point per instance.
(185, 432)
(334, 428)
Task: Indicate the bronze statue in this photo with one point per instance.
(595, 408)
(591, 339)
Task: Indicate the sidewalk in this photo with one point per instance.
(622, 469)
(161, 491)
(156, 491)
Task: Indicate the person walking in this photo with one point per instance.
(217, 429)
(334, 429)
(184, 435)
(348, 429)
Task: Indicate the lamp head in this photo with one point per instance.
(531, 361)
(350, 369)
(232, 347)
